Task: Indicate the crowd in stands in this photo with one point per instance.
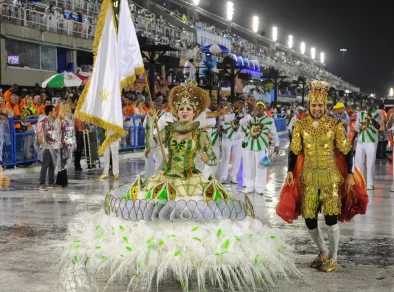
(78, 18)
(26, 105)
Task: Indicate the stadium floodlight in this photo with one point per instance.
(391, 91)
(230, 10)
(196, 2)
(274, 33)
(313, 53)
(343, 50)
(290, 42)
(255, 24)
(322, 57)
(303, 48)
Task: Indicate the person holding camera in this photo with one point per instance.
(367, 127)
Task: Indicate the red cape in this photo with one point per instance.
(353, 203)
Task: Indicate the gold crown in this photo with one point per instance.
(318, 91)
(189, 94)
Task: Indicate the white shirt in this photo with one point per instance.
(370, 135)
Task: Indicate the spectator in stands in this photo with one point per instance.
(140, 106)
(148, 106)
(5, 135)
(48, 101)
(47, 138)
(59, 16)
(43, 96)
(14, 106)
(28, 112)
(40, 107)
(80, 23)
(189, 70)
(128, 110)
(9, 92)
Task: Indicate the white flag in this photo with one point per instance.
(116, 58)
(129, 54)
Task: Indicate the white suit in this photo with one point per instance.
(256, 148)
(231, 145)
(367, 142)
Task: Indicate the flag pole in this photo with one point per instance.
(155, 121)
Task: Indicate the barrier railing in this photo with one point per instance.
(18, 146)
(47, 22)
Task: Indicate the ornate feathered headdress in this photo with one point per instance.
(189, 94)
(318, 91)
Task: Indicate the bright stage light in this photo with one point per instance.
(274, 33)
(255, 24)
(322, 57)
(230, 10)
(290, 42)
(303, 48)
(196, 2)
(313, 53)
(391, 92)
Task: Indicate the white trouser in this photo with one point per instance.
(243, 167)
(255, 173)
(366, 149)
(228, 147)
(154, 163)
(113, 149)
(208, 170)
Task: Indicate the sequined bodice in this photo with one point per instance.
(318, 140)
(318, 144)
(181, 156)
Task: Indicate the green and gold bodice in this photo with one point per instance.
(318, 140)
(182, 154)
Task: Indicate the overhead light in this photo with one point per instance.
(290, 42)
(303, 48)
(196, 2)
(391, 91)
(255, 24)
(313, 53)
(230, 10)
(343, 50)
(274, 33)
(322, 57)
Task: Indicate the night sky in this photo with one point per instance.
(364, 28)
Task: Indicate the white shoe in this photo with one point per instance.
(246, 191)
(370, 188)
(392, 190)
(223, 181)
(234, 180)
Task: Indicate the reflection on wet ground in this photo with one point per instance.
(33, 225)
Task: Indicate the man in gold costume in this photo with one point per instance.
(317, 137)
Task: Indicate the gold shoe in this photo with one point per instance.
(329, 266)
(319, 261)
(104, 176)
(116, 176)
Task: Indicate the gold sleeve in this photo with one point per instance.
(342, 143)
(206, 146)
(296, 142)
